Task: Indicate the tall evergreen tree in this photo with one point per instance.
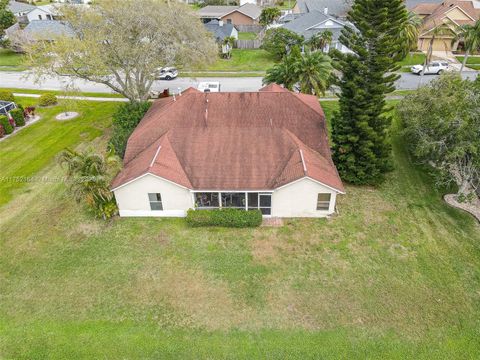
(362, 150)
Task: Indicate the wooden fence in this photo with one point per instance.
(248, 44)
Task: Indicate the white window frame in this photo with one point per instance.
(155, 201)
(325, 203)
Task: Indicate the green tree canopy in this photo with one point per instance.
(7, 19)
(110, 46)
(280, 41)
(442, 125)
(269, 15)
(362, 150)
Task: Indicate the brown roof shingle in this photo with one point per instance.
(232, 141)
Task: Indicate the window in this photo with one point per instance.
(323, 201)
(49, 17)
(40, 17)
(252, 201)
(265, 203)
(206, 200)
(155, 201)
(229, 21)
(233, 200)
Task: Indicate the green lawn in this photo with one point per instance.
(11, 61)
(242, 60)
(57, 92)
(413, 59)
(396, 275)
(247, 36)
(34, 147)
(473, 62)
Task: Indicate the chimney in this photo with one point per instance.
(220, 22)
(325, 11)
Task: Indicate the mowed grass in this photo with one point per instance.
(59, 92)
(11, 61)
(473, 62)
(30, 150)
(242, 60)
(413, 59)
(395, 275)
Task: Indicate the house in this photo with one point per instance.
(337, 8)
(220, 30)
(37, 30)
(247, 14)
(264, 150)
(26, 12)
(445, 19)
(314, 22)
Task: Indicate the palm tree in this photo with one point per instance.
(89, 175)
(320, 40)
(411, 31)
(314, 69)
(434, 33)
(284, 72)
(471, 39)
(311, 71)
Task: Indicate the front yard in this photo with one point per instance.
(243, 60)
(473, 62)
(11, 61)
(395, 275)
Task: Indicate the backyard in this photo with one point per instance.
(396, 274)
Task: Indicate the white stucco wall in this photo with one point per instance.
(33, 15)
(299, 199)
(132, 198)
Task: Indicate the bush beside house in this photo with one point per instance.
(17, 115)
(5, 123)
(224, 217)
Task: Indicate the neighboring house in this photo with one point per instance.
(247, 14)
(26, 12)
(337, 8)
(447, 16)
(37, 30)
(220, 30)
(264, 150)
(315, 22)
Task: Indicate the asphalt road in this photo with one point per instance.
(23, 80)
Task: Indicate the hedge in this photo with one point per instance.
(47, 99)
(224, 217)
(2, 131)
(6, 96)
(6, 124)
(17, 115)
(125, 120)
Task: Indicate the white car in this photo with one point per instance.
(209, 86)
(435, 67)
(167, 73)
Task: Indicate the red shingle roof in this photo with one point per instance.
(232, 141)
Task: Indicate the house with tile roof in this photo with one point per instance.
(264, 150)
(446, 17)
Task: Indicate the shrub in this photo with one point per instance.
(7, 96)
(125, 120)
(2, 131)
(47, 99)
(6, 124)
(17, 115)
(224, 217)
(29, 111)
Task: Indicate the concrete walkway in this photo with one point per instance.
(87, 98)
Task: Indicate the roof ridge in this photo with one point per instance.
(182, 165)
